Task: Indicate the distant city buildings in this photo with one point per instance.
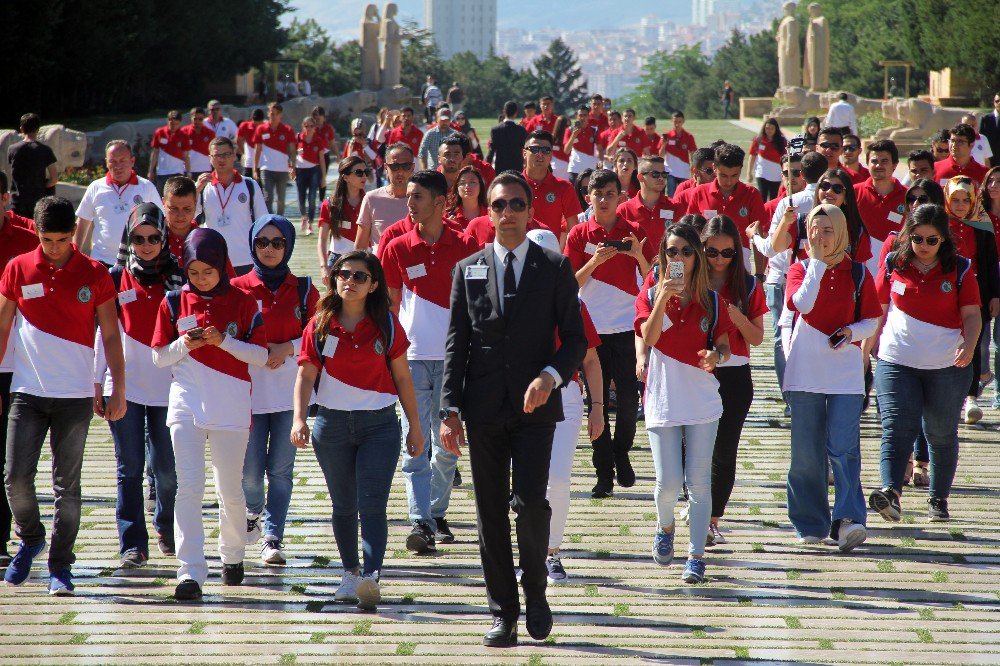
(462, 25)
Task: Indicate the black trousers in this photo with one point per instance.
(5, 517)
(977, 358)
(736, 391)
(768, 188)
(512, 450)
(617, 356)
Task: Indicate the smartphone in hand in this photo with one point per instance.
(675, 270)
(837, 339)
(195, 333)
(621, 246)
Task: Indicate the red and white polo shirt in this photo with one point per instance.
(199, 147)
(108, 204)
(273, 141)
(309, 153)
(411, 138)
(881, 213)
(678, 392)
(355, 366)
(744, 206)
(347, 226)
(923, 325)
(227, 210)
(948, 168)
(654, 221)
(423, 275)
(611, 289)
(57, 313)
(274, 390)
(589, 331)
(542, 123)
(756, 307)
(172, 146)
(246, 131)
(14, 241)
(679, 145)
(211, 387)
(481, 229)
(768, 164)
(553, 201)
(403, 227)
(636, 140)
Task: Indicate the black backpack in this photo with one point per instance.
(200, 217)
(962, 266)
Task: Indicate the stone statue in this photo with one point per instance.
(370, 65)
(816, 67)
(392, 47)
(789, 51)
(915, 120)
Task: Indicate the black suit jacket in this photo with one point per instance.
(989, 128)
(507, 146)
(489, 361)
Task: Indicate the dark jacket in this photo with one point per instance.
(507, 146)
(990, 128)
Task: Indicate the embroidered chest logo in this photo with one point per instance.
(550, 197)
(298, 312)
(137, 199)
(84, 295)
(704, 324)
(743, 211)
(379, 347)
(946, 286)
(232, 330)
(242, 198)
(900, 209)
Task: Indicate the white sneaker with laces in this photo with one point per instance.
(348, 590)
(271, 552)
(973, 412)
(851, 535)
(368, 592)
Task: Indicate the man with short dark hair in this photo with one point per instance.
(655, 140)
(702, 171)
(432, 99)
(841, 116)
(200, 135)
(612, 127)
(171, 152)
(960, 162)
(554, 201)
(830, 145)
(920, 164)
(849, 161)
(384, 206)
(530, 111)
(597, 115)
(989, 126)
(678, 148)
(245, 145)
(581, 141)
(33, 172)
(219, 124)
(629, 136)
(546, 120)
(881, 198)
(274, 159)
(451, 154)
(939, 145)
(507, 141)
(433, 138)
(651, 209)
(407, 132)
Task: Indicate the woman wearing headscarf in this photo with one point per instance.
(286, 303)
(208, 333)
(973, 234)
(833, 306)
(144, 273)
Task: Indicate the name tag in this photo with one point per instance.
(943, 182)
(709, 214)
(127, 297)
(346, 224)
(671, 143)
(894, 217)
(187, 323)
(477, 272)
(414, 272)
(163, 141)
(622, 144)
(590, 248)
(265, 136)
(330, 346)
(667, 214)
(32, 290)
(898, 288)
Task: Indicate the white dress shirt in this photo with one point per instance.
(841, 114)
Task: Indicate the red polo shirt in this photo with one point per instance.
(653, 221)
(743, 206)
(881, 213)
(553, 201)
(949, 168)
(411, 138)
(859, 176)
(482, 231)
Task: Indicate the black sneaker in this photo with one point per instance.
(444, 534)
(421, 540)
(603, 488)
(886, 503)
(166, 544)
(457, 481)
(624, 471)
(187, 590)
(937, 510)
(133, 558)
(232, 574)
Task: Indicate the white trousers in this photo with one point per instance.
(561, 464)
(227, 449)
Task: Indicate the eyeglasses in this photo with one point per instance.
(959, 142)
(262, 243)
(655, 174)
(708, 172)
(917, 198)
(400, 166)
(360, 172)
(516, 205)
(686, 251)
(535, 150)
(221, 156)
(920, 240)
(850, 147)
(155, 239)
(837, 188)
(713, 253)
(794, 173)
(830, 145)
(359, 277)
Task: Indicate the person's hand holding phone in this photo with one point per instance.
(194, 338)
(840, 337)
(603, 253)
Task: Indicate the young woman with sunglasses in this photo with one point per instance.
(338, 214)
(144, 273)
(467, 199)
(310, 170)
(675, 318)
(358, 352)
(746, 306)
(209, 333)
(930, 327)
(765, 158)
(973, 233)
(270, 452)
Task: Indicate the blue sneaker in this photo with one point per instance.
(694, 571)
(663, 548)
(61, 583)
(20, 567)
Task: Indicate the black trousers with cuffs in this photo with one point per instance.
(736, 391)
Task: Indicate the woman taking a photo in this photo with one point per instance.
(765, 158)
(286, 304)
(687, 328)
(338, 214)
(357, 349)
(928, 338)
(467, 199)
(833, 307)
(745, 304)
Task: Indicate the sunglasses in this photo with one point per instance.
(713, 253)
(686, 251)
(401, 166)
(535, 150)
(360, 172)
(850, 147)
(360, 277)
(836, 187)
(262, 243)
(794, 173)
(708, 172)
(829, 145)
(222, 156)
(516, 205)
(920, 240)
(155, 239)
(917, 198)
(654, 174)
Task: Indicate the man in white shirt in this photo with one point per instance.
(385, 205)
(219, 124)
(841, 116)
(981, 150)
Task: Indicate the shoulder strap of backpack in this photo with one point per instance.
(250, 195)
(651, 292)
(751, 285)
(200, 217)
(801, 234)
(392, 337)
(713, 319)
(890, 263)
(116, 276)
(174, 305)
(962, 266)
(304, 285)
(858, 275)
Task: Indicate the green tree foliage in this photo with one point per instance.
(557, 72)
(332, 69)
(421, 57)
(487, 83)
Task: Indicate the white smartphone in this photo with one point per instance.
(675, 269)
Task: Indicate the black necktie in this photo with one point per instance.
(509, 284)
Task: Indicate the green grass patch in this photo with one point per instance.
(624, 530)
(757, 547)
(321, 561)
(408, 598)
(575, 538)
(838, 593)
(298, 589)
(67, 618)
(770, 523)
(825, 644)
(602, 554)
(754, 510)
(957, 535)
(792, 574)
(214, 534)
(747, 465)
(197, 627)
(744, 601)
(160, 582)
(793, 622)
(362, 628)
(958, 558)
(78, 639)
(535, 660)
(400, 553)
(620, 610)
(907, 542)
(287, 659)
(596, 501)
(908, 520)
(649, 515)
(742, 652)
(699, 633)
(406, 648)
(885, 566)
(939, 577)
(780, 496)
(958, 605)
(591, 591)
(319, 636)
(924, 635)
(319, 496)
(774, 476)
(926, 614)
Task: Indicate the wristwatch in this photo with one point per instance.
(445, 414)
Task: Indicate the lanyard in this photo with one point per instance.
(223, 204)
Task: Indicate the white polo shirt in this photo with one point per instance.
(225, 127)
(108, 204)
(227, 210)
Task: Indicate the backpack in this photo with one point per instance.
(174, 300)
(858, 276)
(962, 266)
(200, 217)
(713, 314)
(391, 341)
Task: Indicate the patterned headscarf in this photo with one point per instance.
(977, 217)
(162, 268)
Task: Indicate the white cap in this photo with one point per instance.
(545, 238)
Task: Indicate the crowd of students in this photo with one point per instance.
(870, 285)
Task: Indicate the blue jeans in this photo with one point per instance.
(270, 452)
(672, 183)
(775, 294)
(909, 398)
(307, 183)
(142, 424)
(358, 452)
(695, 469)
(825, 426)
(429, 475)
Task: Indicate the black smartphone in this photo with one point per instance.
(195, 333)
(837, 339)
(621, 246)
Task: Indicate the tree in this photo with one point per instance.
(673, 82)
(557, 72)
(487, 84)
(331, 69)
(421, 58)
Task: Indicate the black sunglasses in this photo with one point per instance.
(686, 251)
(360, 172)
(534, 150)
(850, 147)
(794, 173)
(829, 145)
(262, 243)
(400, 166)
(708, 172)
(516, 205)
(713, 253)
(917, 198)
(155, 239)
(655, 174)
(920, 240)
(359, 277)
(836, 187)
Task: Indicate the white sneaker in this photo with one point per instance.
(686, 513)
(368, 592)
(348, 590)
(973, 412)
(852, 535)
(271, 552)
(253, 528)
(810, 540)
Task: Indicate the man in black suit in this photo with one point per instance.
(509, 302)
(989, 127)
(507, 142)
